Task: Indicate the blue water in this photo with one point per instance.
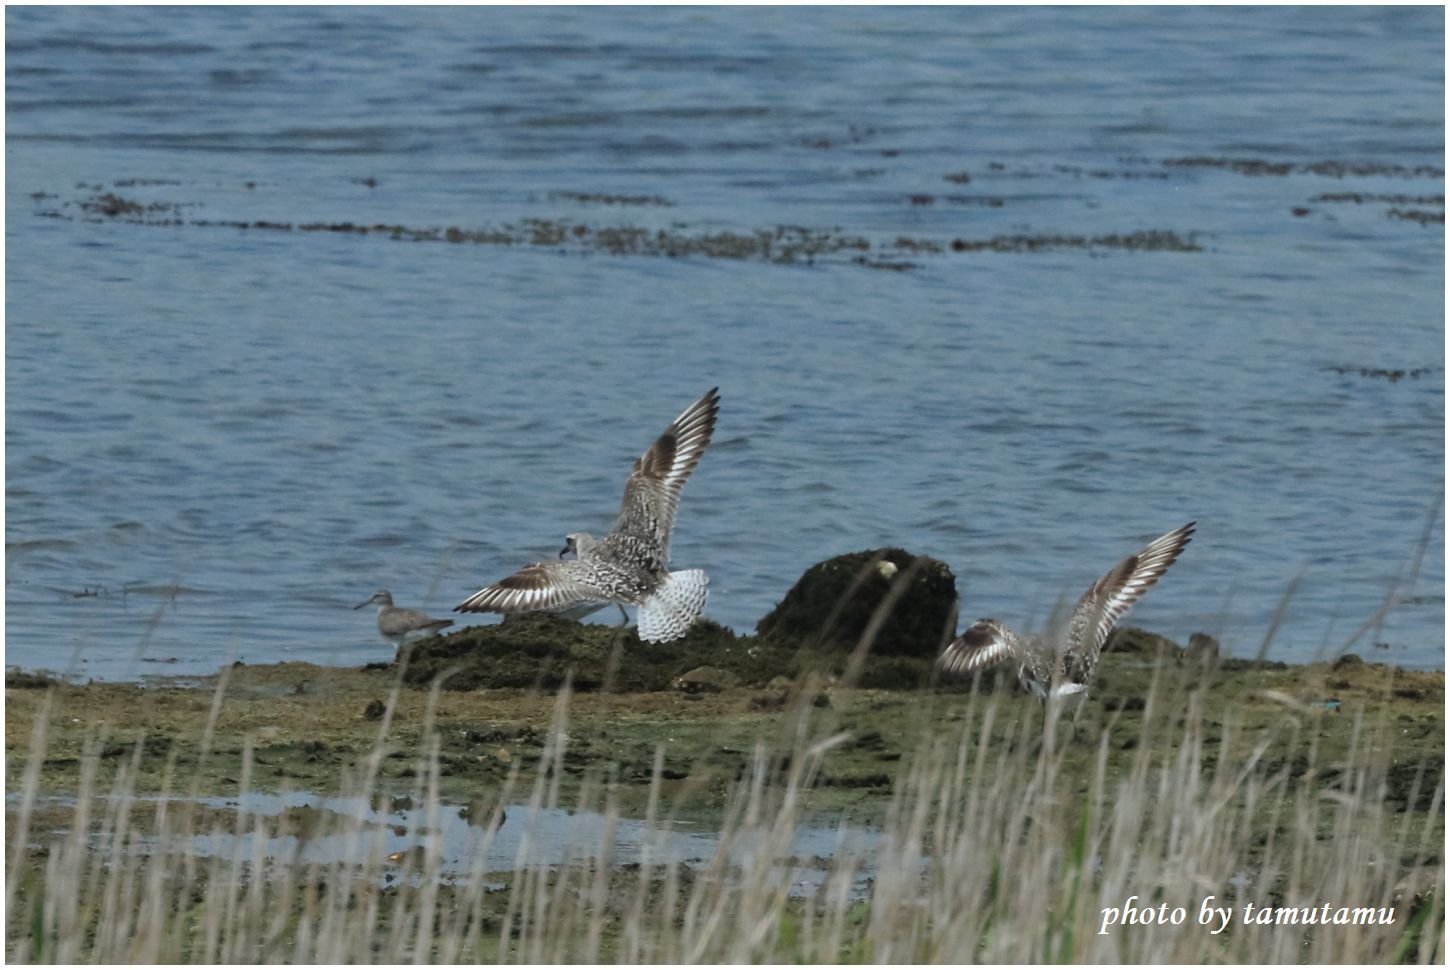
(275, 423)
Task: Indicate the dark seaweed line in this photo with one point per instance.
(1359, 198)
(1259, 166)
(785, 244)
(1422, 216)
(1391, 375)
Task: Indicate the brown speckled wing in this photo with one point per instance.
(652, 493)
(540, 586)
(1109, 598)
(985, 643)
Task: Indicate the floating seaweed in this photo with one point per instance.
(1393, 198)
(607, 198)
(1393, 376)
(1147, 240)
(1422, 216)
(782, 244)
(1327, 169)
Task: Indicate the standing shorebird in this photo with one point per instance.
(628, 566)
(1061, 665)
(400, 625)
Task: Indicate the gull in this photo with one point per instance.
(1061, 664)
(629, 566)
(400, 625)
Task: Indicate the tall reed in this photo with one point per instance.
(991, 850)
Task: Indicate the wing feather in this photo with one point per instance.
(652, 493)
(540, 586)
(985, 643)
(1105, 602)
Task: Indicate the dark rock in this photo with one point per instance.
(869, 740)
(770, 702)
(1232, 664)
(855, 781)
(21, 680)
(479, 813)
(896, 673)
(1202, 648)
(832, 604)
(1131, 639)
(1411, 785)
(702, 680)
(1348, 660)
(374, 711)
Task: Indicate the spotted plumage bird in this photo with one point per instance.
(629, 566)
(1061, 664)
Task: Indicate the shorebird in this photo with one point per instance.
(1061, 664)
(400, 625)
(628, 566)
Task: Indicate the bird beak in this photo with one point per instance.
(563, 551)
(362, 604)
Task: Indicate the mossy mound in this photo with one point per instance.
(1134, 640)
(833, 603)
(539, 650)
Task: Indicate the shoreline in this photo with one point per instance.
(308, 726)
(442, 788)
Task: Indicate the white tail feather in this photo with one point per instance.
(673, 606)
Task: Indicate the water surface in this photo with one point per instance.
(219, 440)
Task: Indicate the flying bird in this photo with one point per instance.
(1061, 664)
(629, 566)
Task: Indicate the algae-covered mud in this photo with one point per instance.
(478, 796)
(306, 726)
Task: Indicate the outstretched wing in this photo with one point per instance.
(1109, 598)
(652, 493)
(985, 643)
(540, 586)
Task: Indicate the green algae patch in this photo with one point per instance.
(540, 651)
(306, 727)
